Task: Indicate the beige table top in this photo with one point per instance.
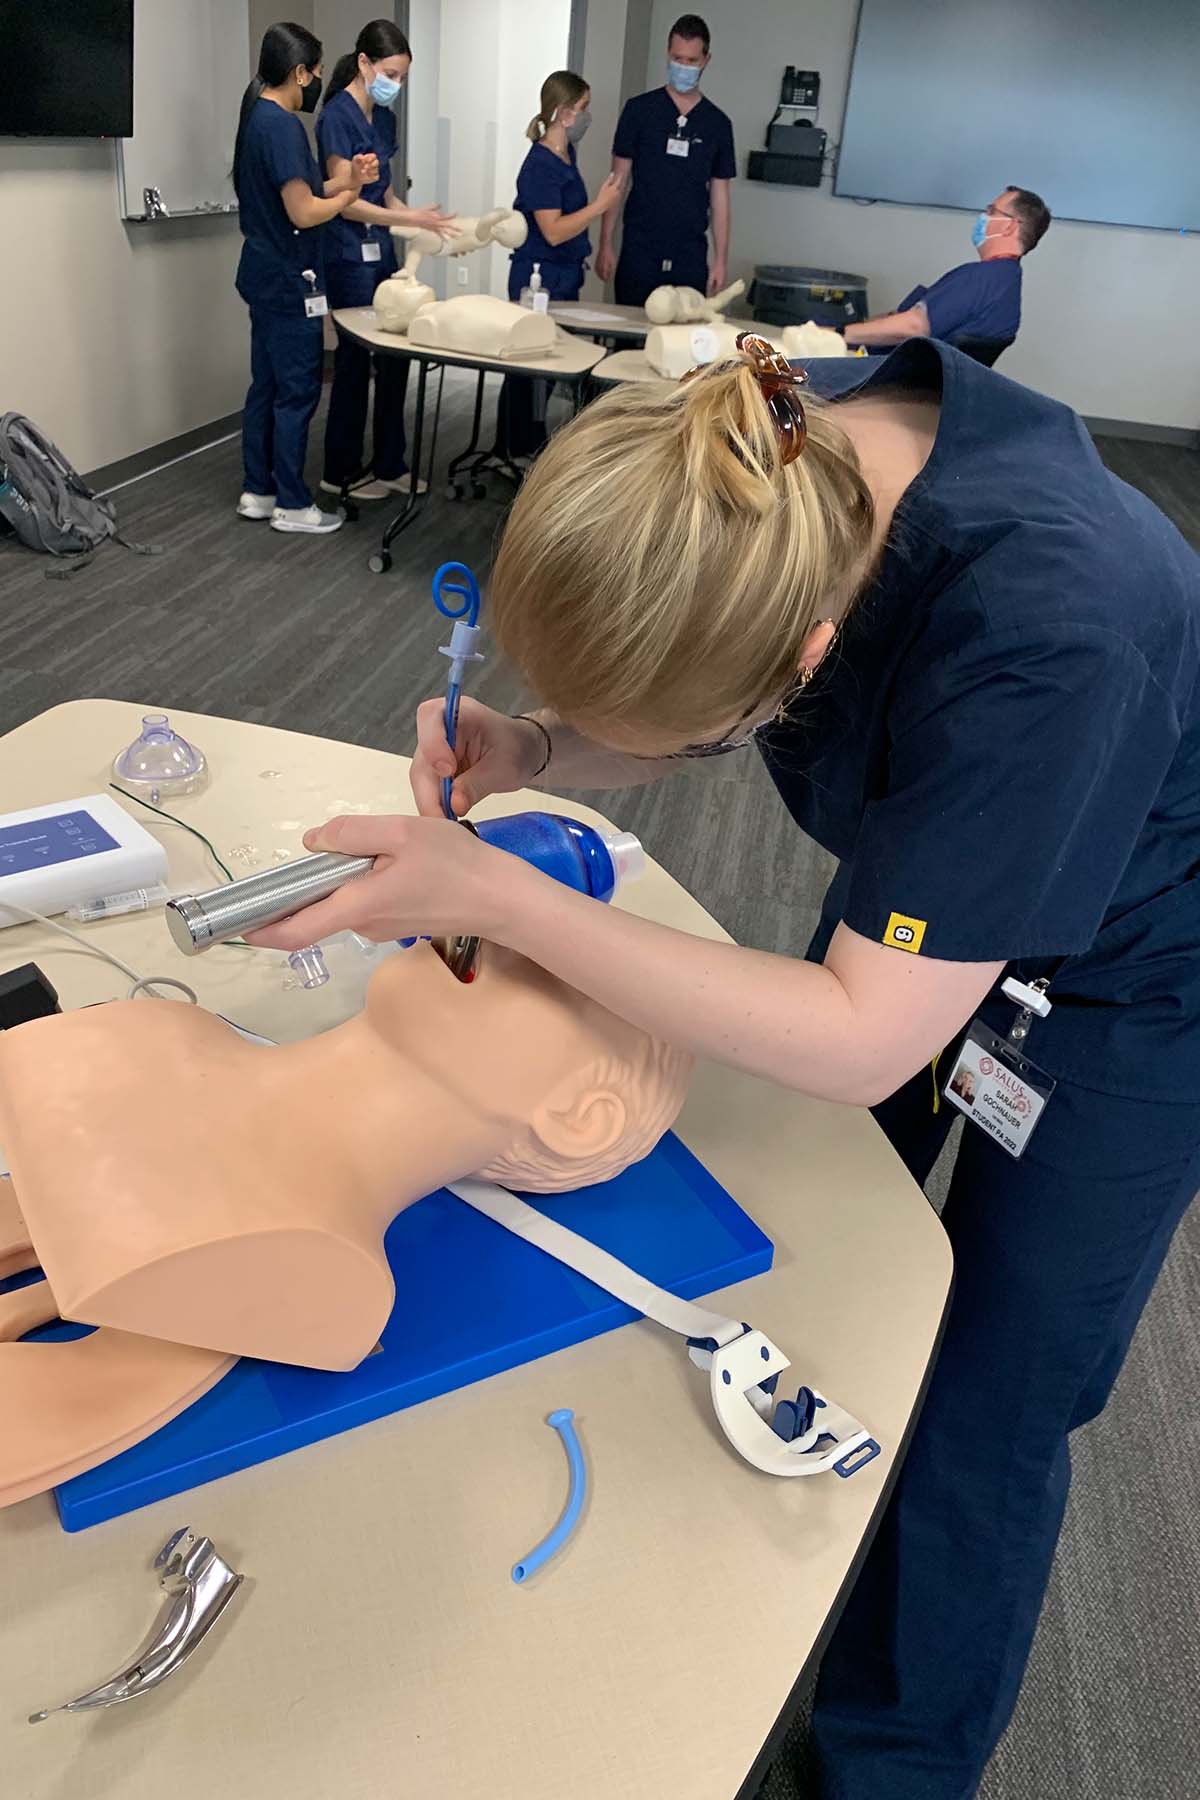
(380, 1650)
(584, 316)
(626, 365)
(571, 357)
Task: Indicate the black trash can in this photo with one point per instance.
(785, 294)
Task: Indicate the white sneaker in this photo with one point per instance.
(256, 506)
(305, 518)
(362, 490)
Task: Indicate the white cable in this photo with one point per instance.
(142, 984)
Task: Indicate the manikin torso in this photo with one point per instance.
(179, 1182)
(483, 325)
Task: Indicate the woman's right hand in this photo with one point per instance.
(610, 193)
(495, 755)
(432, 218)
(364, 169)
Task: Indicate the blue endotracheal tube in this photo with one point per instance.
(563, 1422)
(455, 578)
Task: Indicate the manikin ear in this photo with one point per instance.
(591, 1124)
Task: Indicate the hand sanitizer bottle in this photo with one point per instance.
(539, 299)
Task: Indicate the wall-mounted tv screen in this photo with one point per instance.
(1094, 104)
(68, 68)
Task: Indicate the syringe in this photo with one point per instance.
(107, 906)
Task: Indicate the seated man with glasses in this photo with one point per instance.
(977, 305)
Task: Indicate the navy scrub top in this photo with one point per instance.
(343, 129)
(546, 182)
(976, 300)
(275, 151)
(1003, 748)
(667, 209)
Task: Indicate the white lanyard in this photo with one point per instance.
(805, 1436)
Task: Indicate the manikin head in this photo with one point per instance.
(251, 1220)
(1013, 225)
(571, 1094)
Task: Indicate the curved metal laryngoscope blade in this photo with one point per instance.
(199, 1584)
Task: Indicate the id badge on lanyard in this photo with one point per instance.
(315, 304)
(993, 1081)
(679, 145)
(371, 251)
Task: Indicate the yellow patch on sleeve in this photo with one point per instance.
(904, 933)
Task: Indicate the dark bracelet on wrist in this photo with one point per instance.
(529, 719)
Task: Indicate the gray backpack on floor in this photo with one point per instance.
(46, 502)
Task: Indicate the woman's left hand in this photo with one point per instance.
(431, 877)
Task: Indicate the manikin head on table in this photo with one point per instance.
(181, 1183)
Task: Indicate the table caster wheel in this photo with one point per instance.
(455, 491)
(380, 563)
(478, 490)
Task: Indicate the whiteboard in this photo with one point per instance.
(191, 63)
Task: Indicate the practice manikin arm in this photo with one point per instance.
(501, 226)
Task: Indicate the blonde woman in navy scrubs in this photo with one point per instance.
(281, 208)
(357, 119)
(553, 198)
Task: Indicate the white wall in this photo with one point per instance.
(116, 337)
(533, 43)
(614, 27)
(478, 67)
(1109, 313)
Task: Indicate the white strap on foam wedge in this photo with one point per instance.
(806, 1436)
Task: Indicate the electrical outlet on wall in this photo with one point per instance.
(463, 275)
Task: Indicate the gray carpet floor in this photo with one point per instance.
(236, 620)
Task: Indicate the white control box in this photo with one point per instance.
(52, 857)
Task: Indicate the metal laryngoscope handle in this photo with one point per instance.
(197, 921)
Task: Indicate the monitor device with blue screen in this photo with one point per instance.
(74, 851)
(64, 837)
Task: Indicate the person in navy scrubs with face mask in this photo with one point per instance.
(979, 302)
(282, 207)
(357, 120)
(552, 196)
(675, 150)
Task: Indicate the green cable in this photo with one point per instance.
(225, 870)
(237, 943)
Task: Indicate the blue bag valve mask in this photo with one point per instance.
(590, 861)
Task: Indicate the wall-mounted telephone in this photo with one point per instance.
(801, 88)
(795, 150)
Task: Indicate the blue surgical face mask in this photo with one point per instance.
(683, 77)
(979, 230)
(383, 89)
